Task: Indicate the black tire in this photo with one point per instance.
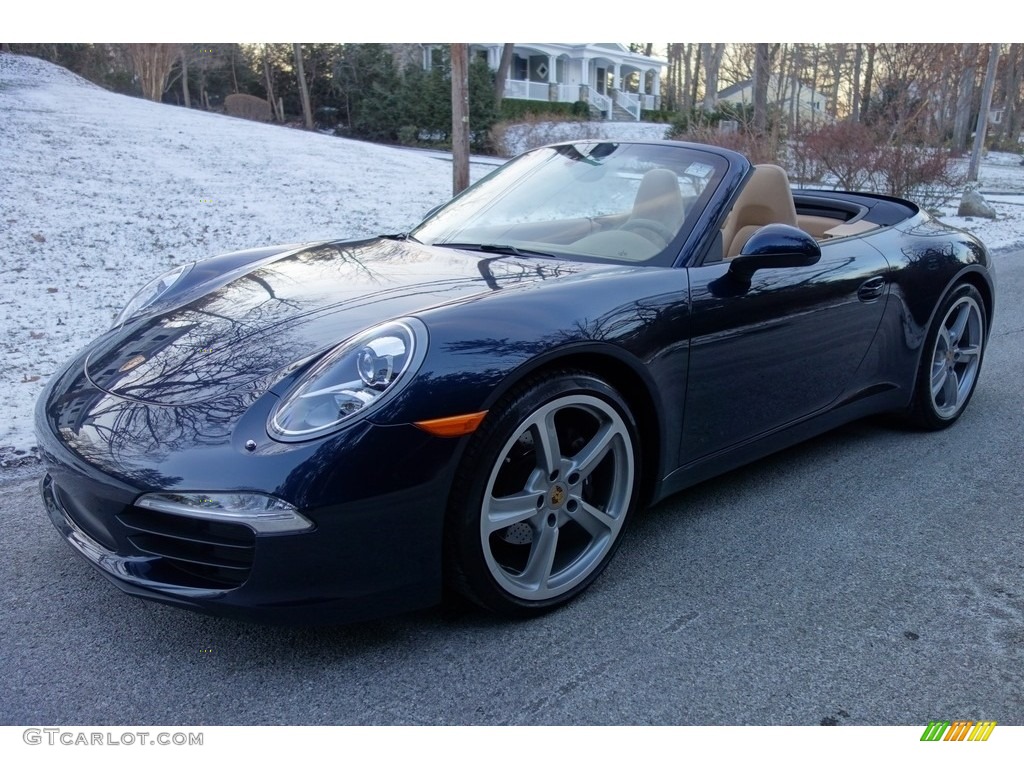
(951, 359)
(566, 507)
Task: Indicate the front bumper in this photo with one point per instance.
(361, 562)
(376, 496)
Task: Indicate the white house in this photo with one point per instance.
(616, 82)
(796, 100)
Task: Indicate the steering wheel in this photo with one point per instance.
(644, 226)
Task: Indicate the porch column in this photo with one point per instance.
(616, 78)
(551, 69)
(585, 75)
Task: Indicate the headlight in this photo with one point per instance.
(353, 379)
(152, 291)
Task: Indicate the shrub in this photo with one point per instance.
(847, 151)
(924, 174)
(758, 149)
(247, 106)
(696, 119)
(408, 135)
(657, 115)
(514, 110)
(857, 157)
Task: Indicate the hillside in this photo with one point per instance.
(103, 192)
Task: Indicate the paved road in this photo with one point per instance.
(871, 576)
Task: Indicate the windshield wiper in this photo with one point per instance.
(502, 248)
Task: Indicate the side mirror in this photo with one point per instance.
(774, 246)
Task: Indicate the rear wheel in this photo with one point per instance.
(543, 495)
(952, 359)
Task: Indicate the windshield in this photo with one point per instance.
(625, 203)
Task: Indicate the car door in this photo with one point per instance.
(787, 346)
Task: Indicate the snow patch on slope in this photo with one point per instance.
(102, 192)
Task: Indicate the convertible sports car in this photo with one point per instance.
(342, 430)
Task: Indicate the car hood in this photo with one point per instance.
(252, 328)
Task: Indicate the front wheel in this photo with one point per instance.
(543, 495)
(951, 360)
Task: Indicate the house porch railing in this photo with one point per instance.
(629, 102)
(526, 89)
(536, 91)
(599, 100)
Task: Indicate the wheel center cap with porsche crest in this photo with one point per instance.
(557, 495)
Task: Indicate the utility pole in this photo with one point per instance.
(986, 105)
(460, 117)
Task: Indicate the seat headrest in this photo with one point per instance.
(659, 199)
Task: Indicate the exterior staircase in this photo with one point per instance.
(618, 113)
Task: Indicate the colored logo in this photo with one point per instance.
(958, 730)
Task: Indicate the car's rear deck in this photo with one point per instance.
(825, 214)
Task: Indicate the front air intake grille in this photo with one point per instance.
(193, 553)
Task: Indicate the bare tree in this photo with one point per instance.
(869, 71)
(152, 63)
(837, 58)
(858, 57)
(762, 73)
(814, 82)
(270, 86)
(692, 96)
(184, 76)
(712, 54)
(507, 51)
(460, 117)
(234, 74)
(965, 96)
(688, 53)
(670, 90)
(1009, 127)
(679, 79)
(910, 84)
(300, 73)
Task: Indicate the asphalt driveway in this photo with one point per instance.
(872, 576)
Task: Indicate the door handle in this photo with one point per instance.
(871, 289)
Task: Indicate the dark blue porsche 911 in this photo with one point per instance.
(342, 430)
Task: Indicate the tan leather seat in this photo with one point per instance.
(658, 199)
(766, 199)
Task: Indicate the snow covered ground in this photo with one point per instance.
(102, 192)
(519, 138)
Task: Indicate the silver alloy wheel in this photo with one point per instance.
(956, 357)
(557, 497)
